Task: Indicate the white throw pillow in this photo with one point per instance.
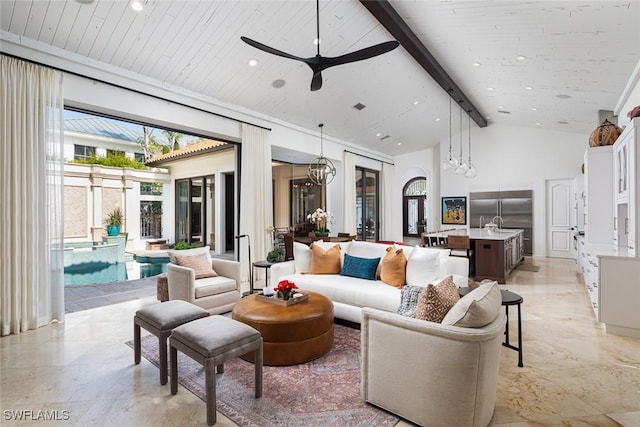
(188, 252)
(423, 266)
(301, 257)
(476, 309)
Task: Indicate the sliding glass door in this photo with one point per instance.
(367, 204)
(195, 211)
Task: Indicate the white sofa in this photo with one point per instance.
(351, 294)
(216, 294)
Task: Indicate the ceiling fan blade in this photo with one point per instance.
(316, 82)
(269, 49)
(359, 55)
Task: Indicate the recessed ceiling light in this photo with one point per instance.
(489, 88)
(437, 119)
(488, 117)
(399, 143)
(278, 83)
(528, 88)
(534, 109)
(538, 124)
(476, 64)
(500, 107)
(137, 5)
(253, 63)
(521, 57)
(317, 41)
(415, 102)
(378, 134)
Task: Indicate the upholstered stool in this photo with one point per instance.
(160, 319)
(211, 342)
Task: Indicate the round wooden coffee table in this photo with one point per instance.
(291, 334)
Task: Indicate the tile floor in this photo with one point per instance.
(574, 374)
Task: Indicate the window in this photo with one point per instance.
(414, 207)
(139, 157)
(151, 188)
(150, 219)
(82, 152)
(367, 204)
(195, 211)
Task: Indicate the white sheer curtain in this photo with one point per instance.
(256, 200)
(349, 206)
(387, 203)
(31, 174)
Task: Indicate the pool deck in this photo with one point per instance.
(78, 298)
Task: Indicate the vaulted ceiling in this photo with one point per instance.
(547, 64)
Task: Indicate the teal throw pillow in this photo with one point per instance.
(363, 268)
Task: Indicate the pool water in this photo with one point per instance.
(92, 273)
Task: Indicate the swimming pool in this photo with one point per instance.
(97, 272)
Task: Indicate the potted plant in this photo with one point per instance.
(276, 255)
(321, 219)
(114, 222)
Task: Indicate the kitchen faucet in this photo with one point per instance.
(501, 221)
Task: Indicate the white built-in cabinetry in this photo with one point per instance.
(616, 265)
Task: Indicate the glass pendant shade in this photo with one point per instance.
(462, 167)
(471, 171)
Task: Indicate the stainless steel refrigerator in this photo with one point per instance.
(514, 207)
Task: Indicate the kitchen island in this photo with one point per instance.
(496, 253)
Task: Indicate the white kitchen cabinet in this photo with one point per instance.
(599, 199)
(620, 295)
(626, 162)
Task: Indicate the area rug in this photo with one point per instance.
(323, 392)
(528, 267)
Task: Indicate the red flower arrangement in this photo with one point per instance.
(285, 289)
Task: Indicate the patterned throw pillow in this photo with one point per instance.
(363, 268)
(394, 264)
(325, 262)
(409, 300)
(435, 301)
(199, 263)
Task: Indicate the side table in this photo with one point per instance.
(261, 264)
(508, 298)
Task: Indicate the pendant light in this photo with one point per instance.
(451, 162)
(462, 165)
(471, 171)
(321, 171)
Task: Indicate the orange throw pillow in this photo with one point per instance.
(325, 262)
(199, 263)
(393, 268)
(435, 301)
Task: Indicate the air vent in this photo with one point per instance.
(504, 112)
(359, 106)
(385, 137)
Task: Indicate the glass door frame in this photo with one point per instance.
(368, 226)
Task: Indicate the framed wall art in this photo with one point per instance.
(454, 210)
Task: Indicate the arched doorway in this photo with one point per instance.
(414, 207)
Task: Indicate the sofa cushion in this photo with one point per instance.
(200, 263)
(325, 262)
(188, 252)
(393, 267)
(344, 248)
(301, 257)
(364, 268)
(214, 286)
(422, 267)
(409, 300)
(435, 301)
(478, 308)
(442, 252)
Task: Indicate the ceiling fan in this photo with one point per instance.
(319, 63)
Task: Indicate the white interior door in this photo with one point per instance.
(560, 221)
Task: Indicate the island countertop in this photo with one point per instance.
(501, 234)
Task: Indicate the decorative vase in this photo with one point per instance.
(113, 230)
(322, 233)
(605, 134)
(284, 295)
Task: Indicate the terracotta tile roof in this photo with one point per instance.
(204, 146)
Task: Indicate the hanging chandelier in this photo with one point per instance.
(471, 171)
(321, 171)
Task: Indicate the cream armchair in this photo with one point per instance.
(428, 373)
(215, 294)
